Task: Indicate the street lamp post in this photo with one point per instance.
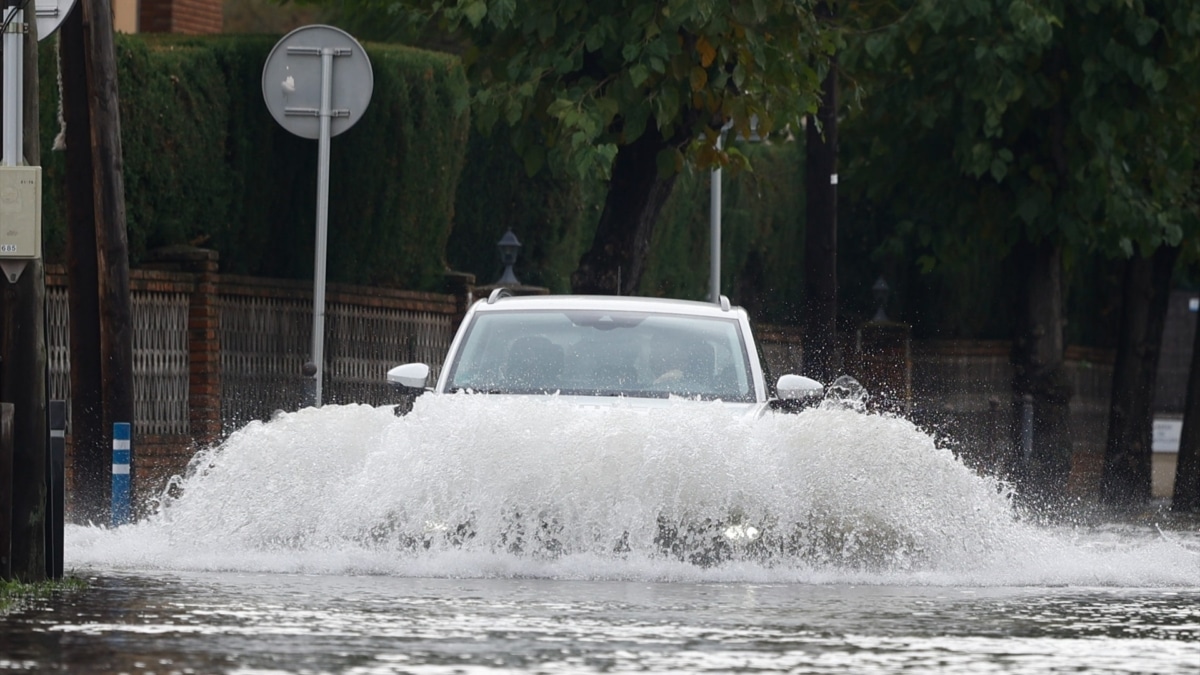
(880, 291)
(509, 247)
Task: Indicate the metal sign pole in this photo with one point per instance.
(318, 336)
(714, 235)
(309, 102)
(14, 60)
(714, 224)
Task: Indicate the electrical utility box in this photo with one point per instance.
(20, 212)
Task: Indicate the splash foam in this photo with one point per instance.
(477, 486)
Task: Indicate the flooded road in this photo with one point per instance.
(479, 537)
(257, 623)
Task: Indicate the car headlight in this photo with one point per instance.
(741, 533)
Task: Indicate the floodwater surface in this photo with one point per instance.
(479, 536)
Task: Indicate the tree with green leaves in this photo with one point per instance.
(1030, 128)
(627, 91)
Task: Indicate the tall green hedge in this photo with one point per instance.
(412, 192)
(553, 217)
(205, 164)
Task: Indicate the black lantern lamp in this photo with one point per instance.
(509, 247)
(880, 290)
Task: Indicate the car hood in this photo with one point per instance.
(752, 409)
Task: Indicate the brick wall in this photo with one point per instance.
(961, 391)
(193, 17)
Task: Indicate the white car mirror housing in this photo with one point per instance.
(409, 375)
(798, 388)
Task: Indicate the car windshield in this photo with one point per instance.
(603, 353)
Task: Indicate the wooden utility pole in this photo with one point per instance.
(23, 362)
(23, 383)
(91, 456)
(97, 250)
(112, 248)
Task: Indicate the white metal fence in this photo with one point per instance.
(264, 343)
(160, 362)
(160, 358)
(58, 343)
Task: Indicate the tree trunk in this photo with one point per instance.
(1043, 470)
(112, 248)
(1145, 291)
(822, 357)
(1187, 470)
(636, 194)
(91, 456)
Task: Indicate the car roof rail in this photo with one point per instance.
(724, 303)
(498, 293)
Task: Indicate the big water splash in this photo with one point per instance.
(482, 486)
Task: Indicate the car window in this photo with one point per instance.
(600, 353)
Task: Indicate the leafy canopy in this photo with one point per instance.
(1073, 120)
(577, 79)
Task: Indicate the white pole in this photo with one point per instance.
(714, 253)
(13, 79)
(714, 220)
(318, 333)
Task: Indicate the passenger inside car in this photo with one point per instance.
(534, 362)
(681, 362)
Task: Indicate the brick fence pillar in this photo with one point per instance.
(883, 364)
(462, 286)
(204, 336)
(204, 352)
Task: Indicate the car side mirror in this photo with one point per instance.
(409, 376)
(798, 388)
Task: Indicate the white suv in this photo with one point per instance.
(602, 348)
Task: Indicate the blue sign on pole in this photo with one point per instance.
(120, 474)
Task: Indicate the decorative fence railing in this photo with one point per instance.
(58, 342)
(264, 343)
(160, 362)
(266, 333)
(212, 353)
(160, 350)
(367, 341)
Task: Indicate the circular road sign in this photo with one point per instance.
(49, 15)
(292, 80)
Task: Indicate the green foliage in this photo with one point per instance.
(762, 225)
(577, 79)
(175, 114)
(1032, 118)
(553, 217)
(14, 593)
(205, 164)
(762, 234)
(987, 122)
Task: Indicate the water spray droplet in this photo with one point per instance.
(847, 392)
